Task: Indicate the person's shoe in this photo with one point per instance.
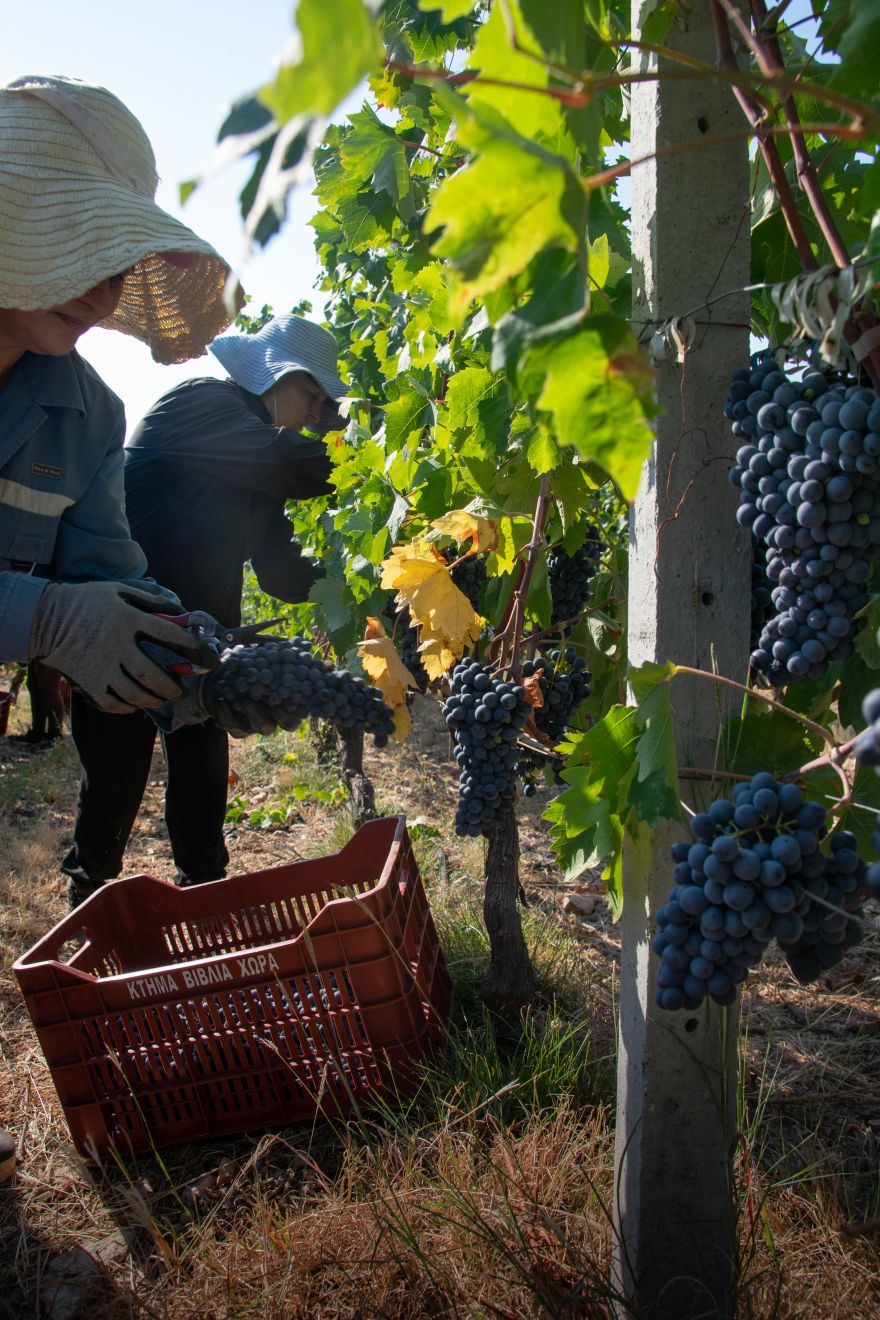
(79, 890)
(32, 741)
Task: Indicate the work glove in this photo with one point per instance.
(92, 633)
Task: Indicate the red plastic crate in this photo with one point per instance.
(256, 1001)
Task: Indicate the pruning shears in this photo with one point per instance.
(207, 629)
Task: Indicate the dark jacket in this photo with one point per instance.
(206, 478)
(61, 502)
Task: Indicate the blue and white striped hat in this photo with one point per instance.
(285, 344)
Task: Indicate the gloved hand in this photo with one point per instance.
(91, 632)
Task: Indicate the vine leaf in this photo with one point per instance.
(598, 387)
(765, 739)
(622, 776)
(334, 602)
(532, 685)
(858, 51)
(317, 81)
(450, 10)
(513, 200)
(530, 113)
(384, 666)
(464, 526)
(447, 620)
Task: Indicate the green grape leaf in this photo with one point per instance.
(334, 606)
(648, 677)
(570, 487)
(530, 113)
(656, 22)
(857, 73)
(542, 451)
(410, 412)
(862, 815)
(466, 390)
(765, 739)
(450, 10)
(856, 681)
(340, 46)
(513, 200)
(654, 792)
(598, 387)
(621, 777)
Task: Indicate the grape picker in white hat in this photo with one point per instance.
(208, 472)
(83, 243)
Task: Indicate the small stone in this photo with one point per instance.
(69, 1285)
(582, 905)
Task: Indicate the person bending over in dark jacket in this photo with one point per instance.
(207, 474)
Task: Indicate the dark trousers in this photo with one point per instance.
(48, 692)
(115, 752)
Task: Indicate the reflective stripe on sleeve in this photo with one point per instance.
(27, 499)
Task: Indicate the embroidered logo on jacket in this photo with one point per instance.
(45, 470)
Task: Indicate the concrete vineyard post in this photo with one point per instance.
(689, 594)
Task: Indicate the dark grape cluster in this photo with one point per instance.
(867, 751)
(809, 481)
(762, 605)
(564, 683)
(287, 682)
(754, 872)
(469, 576)
(570, 576)
(486, 714)
(828, 931)
(409, 650)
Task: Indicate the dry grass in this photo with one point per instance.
(486, 1197)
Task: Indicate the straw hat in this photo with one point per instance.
(284, 344)
(77, 182)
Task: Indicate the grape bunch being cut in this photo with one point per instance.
(808, 473)
(485, 713)
(755, 872)
(570, 576)
(279, 682)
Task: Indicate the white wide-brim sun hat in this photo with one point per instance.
(77, 182)
(283, 345)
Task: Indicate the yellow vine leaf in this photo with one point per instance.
(463, 526)
(446, 618)
(384, 666)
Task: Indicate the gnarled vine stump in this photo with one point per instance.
(360, 788)
(510, 980)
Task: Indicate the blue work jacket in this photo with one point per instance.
(62, 503)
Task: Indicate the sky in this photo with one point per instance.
(177, 65)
